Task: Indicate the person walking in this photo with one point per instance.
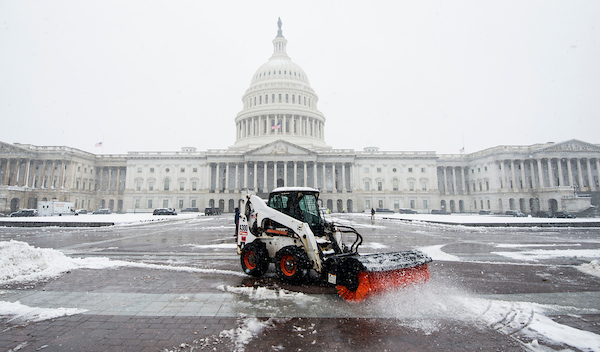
(372, 214)
(237, 220)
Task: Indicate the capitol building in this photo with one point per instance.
(280, 141)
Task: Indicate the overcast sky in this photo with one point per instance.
(399, 75)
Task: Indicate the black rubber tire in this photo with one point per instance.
(292, 264)
(255, 259)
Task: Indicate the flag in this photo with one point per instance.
(276, 127)
(462, 150)
(99, 144)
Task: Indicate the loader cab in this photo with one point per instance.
(301, 203)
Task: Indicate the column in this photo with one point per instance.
(237, 178)
(540, 174)
(275, 174)
(523, 180)
(598, 171)
(455, 186)
(589, 174)
(314, 185)
(118, 178)
(285, 174)
(266, 188)
(227, 177)
(295, 174)
(513, 174)
(6, 175)
(445, 180)
(304, 184)
(217, 182)
(464, 172)
(255, 176)
(343, 177)
(550, 177)
(570, 166)
(29, 162)
(207, 168)
(579, 174)
(245, 185)
(324, 177)
(18, 172)
(504, 178)
(561, 179)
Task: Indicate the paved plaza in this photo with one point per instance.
(177, 285)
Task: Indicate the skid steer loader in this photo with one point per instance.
(289, 231)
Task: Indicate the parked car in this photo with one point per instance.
(164, 211)
(439, 212)
(212, 211)
(543, 214)
(24, 212)
(383, 210)
(407, 211)
(564, 215)
(81, 211)
(485, 212)
(515, 213)
(190, 210)
(102, 211)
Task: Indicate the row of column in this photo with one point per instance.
(31, 173)
(551, 173)
(110, 179)
(515, 174)
(280, 125)
(451, 181)
(26, 173)
(329, 176)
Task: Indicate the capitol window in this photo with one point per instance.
(151, 169)
(181, 186)
(380, 186)
(367, 186)
(183, 169)
(266, 99)
(286, 98)
(166, 188)
(151, 186)
(280, 98)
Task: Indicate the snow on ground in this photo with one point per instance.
(436, 253)
(20, 262)
(117, 219)
(537, 254)
(481, 219)
(263, 293)
(592, 268)
(23, 313)
(426, 307)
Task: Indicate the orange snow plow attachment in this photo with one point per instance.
(361, 276)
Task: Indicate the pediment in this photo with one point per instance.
(7, 148)
(279, 147)
(573, 145)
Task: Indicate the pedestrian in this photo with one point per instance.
(237, 220)
(372, 214)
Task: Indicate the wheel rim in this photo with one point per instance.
(250, 260)
(288, 265)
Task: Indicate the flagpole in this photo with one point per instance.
(102, 143)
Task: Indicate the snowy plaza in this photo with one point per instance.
(175, 283)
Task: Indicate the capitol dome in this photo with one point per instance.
(280, 104)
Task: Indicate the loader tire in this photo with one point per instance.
(292, 264)
(255, 259)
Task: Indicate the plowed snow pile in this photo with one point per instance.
(20, 262)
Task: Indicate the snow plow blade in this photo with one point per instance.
(360, 276)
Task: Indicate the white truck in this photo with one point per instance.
(52, 208)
